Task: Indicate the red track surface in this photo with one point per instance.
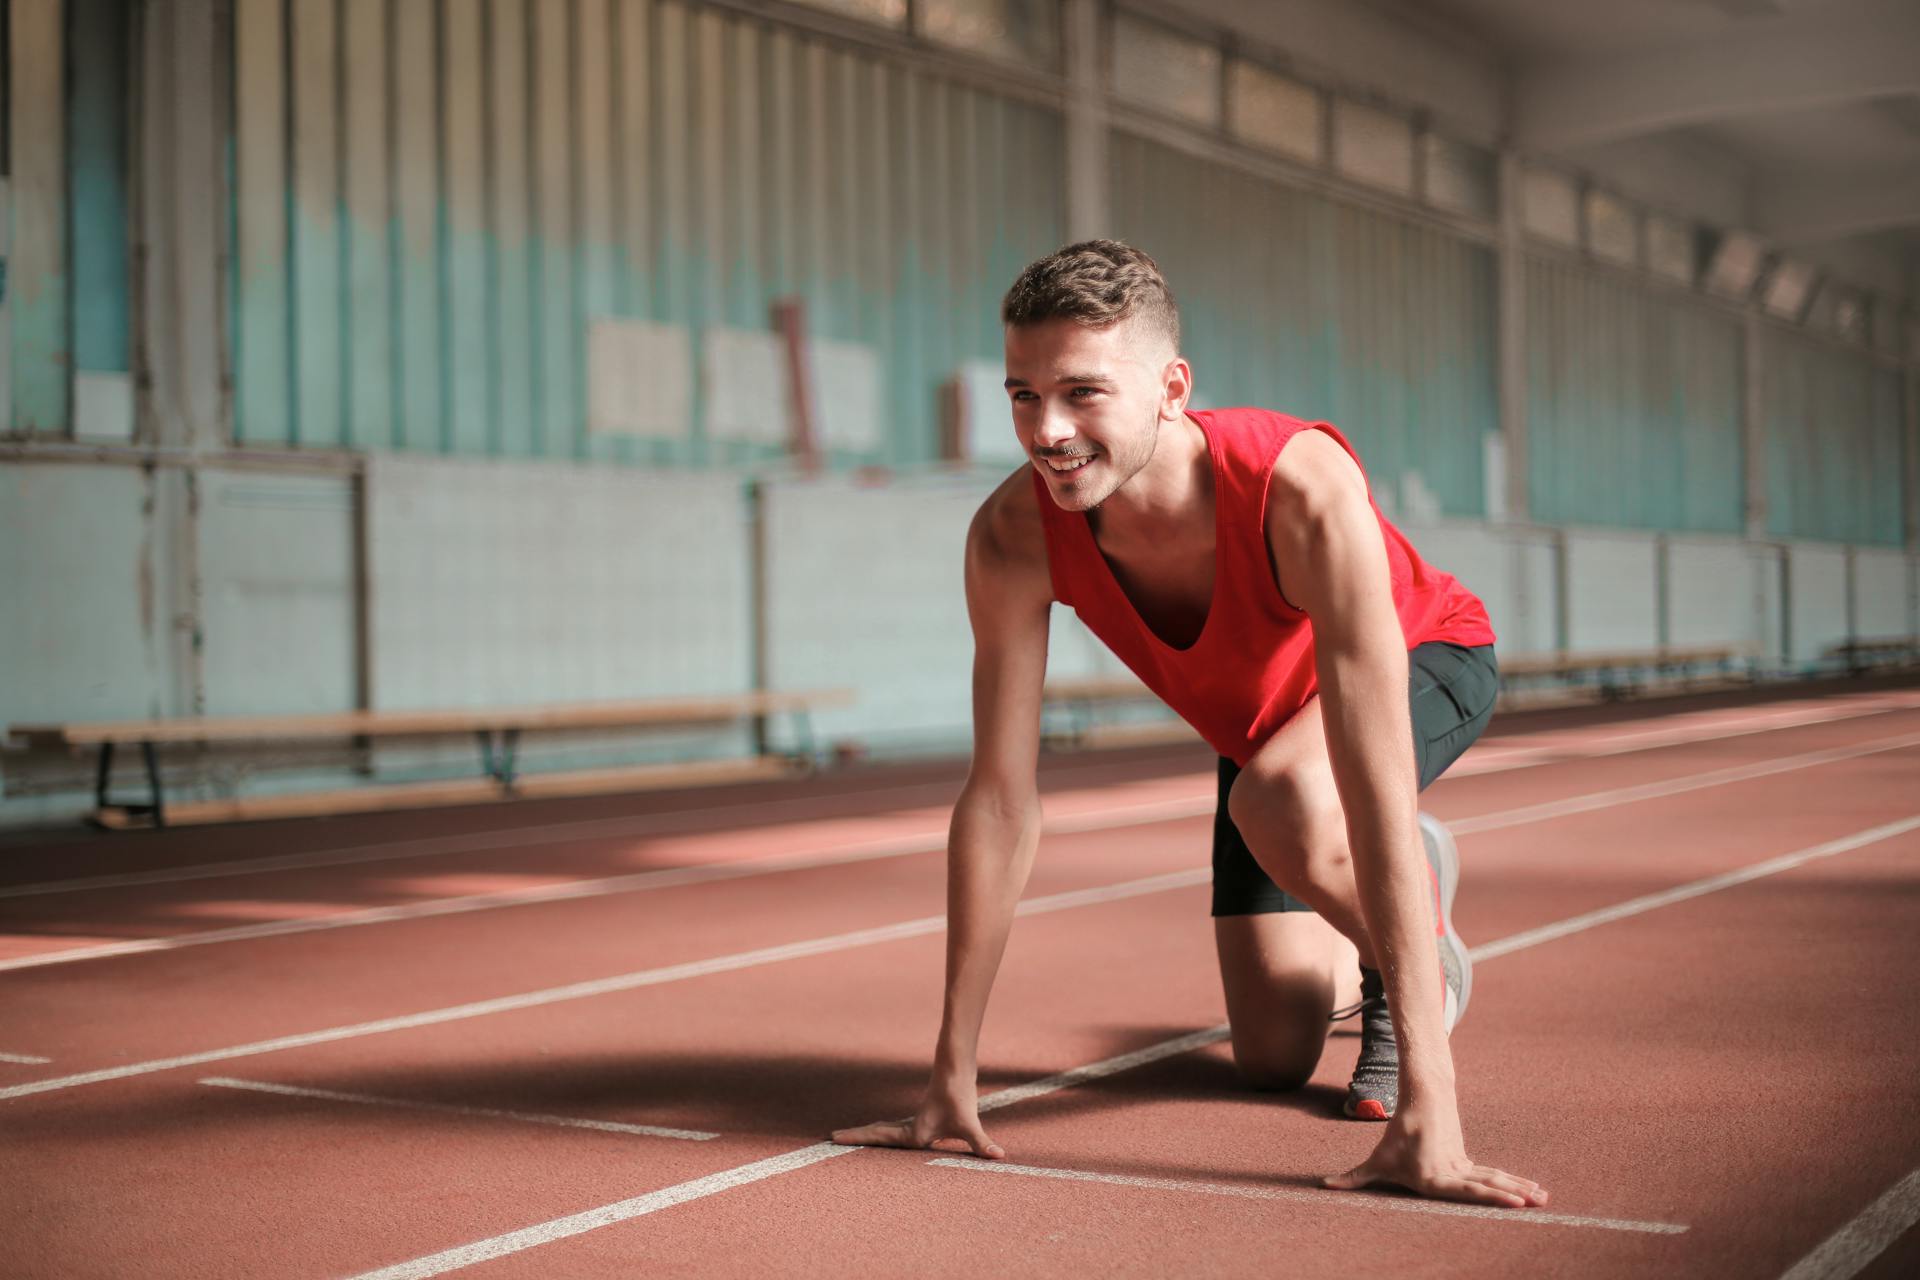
(1740, 1063)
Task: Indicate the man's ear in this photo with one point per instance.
(1176, 388)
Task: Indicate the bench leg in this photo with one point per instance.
(499, 765)
(155, 808)
(803, 735)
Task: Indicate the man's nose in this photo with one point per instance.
(1054, 428)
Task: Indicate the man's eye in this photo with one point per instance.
(1023, 395)
(1086, 391)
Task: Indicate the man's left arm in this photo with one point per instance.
(1331, 561)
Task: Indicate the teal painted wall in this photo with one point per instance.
(430, 286)
(1633, 405)
(1834, 449)
(1306, 305)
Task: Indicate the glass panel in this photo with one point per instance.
(1736, 261)
(1550, 206)
(1271, 111)
(892, 13)
(1788, 289)
(1461, 176)
(1612, 230)
(1373, 146)
(1018, 30)
(1670, 247)
(1156, 67)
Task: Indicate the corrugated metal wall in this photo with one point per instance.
(1325, 310)
(1834, 449)
(433, 201)
(1633, 405)
(65, 312)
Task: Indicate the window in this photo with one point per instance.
(1788, 288)
(1461, 176)
(890, 13)
(1373, 146)
(1550, 206)
(1156, 67)
(1271, 111)
(1734, 264)
(1018, 30)
(1613, 229)
(1670, 249)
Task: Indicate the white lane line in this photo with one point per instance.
(1846, 1252)
(1141, 814)
(1675, 786)
(410, 1104)
(1537, 748)
(467, 1255)
(1327, 1199)
(619, 982)
(1694, 889)
(1098, 1070)
(529, 1237)
(27, 1058)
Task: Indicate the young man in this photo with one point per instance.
(1235, 561)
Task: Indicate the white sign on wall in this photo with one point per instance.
(639, 379)
(746, 385)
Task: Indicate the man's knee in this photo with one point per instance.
(1292, 821)
(1276, 1065)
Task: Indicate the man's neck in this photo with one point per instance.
(1168, 500)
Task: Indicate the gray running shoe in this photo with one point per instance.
(1374, 1092)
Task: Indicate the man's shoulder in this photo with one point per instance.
(1008, 530)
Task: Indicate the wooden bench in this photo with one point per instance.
(1080, 696)
(1620, 673)
(1860, 655)
(496, 730)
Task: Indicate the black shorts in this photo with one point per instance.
(1451, 689)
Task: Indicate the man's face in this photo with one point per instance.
(1088, 403)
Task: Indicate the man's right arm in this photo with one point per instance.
(996, 822)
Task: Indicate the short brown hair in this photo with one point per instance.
(1096, 283)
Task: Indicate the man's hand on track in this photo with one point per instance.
(1433, 1163)
(946, 1122)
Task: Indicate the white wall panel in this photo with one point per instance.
(496, 582)
(1816, 598)
(1881, 583)
(865, 591)
(1612, 592)
(83, 591)
(1713, 593)
(276, 582)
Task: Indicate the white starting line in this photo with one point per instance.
(25, 1058)
(487, 1113)
(1329, 1199)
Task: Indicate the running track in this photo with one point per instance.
(608, 1037)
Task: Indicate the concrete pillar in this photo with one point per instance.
(1512, 324)
(1088, 179)
(1753, 427)
(181, 339)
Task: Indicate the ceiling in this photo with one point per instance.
(1817, 102)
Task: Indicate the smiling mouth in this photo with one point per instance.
(1067, 465)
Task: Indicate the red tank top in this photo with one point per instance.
(1252, 667)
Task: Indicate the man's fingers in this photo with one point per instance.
(984, 1146)
(1352, 1180)
(885, 1133)
(1526, 1188)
